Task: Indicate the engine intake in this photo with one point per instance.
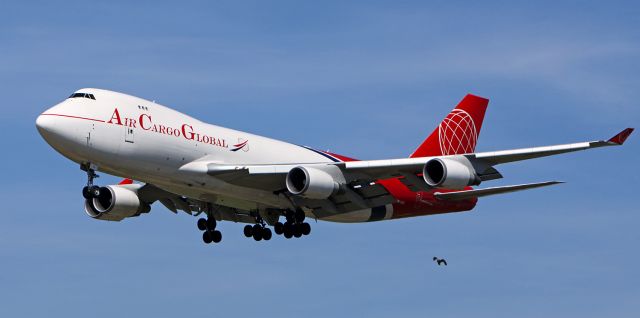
(450, 174)
(114, 204)
(311, 183)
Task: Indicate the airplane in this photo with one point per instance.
(230, 175)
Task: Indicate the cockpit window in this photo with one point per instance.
(82, 95)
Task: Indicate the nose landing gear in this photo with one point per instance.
(90, 191)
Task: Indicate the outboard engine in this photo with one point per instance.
(449, 174)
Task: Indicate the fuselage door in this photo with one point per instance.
(128, 135)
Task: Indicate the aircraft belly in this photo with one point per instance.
(365, 215)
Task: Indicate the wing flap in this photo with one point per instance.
(476, 193)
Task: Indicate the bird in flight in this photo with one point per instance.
(440, 261)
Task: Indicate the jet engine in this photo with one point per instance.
(448, 173)
(314, 183)
(115, 203)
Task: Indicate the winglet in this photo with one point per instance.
(621, 136)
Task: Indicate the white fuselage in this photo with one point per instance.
(135, 138)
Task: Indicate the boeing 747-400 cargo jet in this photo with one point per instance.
(229, 175)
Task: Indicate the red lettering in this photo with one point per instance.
(116, 116)
(187, 135)
(130, 122)
(142, 122)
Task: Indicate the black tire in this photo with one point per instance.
(211, 224)
(278, 227)
(257, 235)
(289, 216)
(299, 215)
(287, 230)
(248, 230)
(94, 191)
(306, 228)
(202, 224)
(297, 230)
(266, 233)
(206, 237)
(85, 193)
(216, 236)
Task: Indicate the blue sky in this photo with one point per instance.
(369, 79)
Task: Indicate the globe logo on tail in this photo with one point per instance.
(457, 133)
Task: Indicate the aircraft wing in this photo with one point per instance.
(361, 176)
(373, 170)
(483, 162)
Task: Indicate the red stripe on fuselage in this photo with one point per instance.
(339, 157)
(76, 117)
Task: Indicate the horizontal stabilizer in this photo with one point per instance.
(468, 194)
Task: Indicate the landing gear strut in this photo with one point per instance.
(258, 231)
(208, 226)
(294, 226)
(90, 191)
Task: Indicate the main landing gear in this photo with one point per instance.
(209, 234)
(258, 231)
(294, 226)
(90, 191)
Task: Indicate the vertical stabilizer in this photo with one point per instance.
(458, 132)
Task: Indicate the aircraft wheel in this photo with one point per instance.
(248, 230)
(278, 227)
(202, 224)
(266, 234)
(257, 228)
(257, 235)
(290, 217)
(306, 228)
(85, 193)
(297, 230)
(206, 237)
(211, 223)
(216, 236)
(94, 191)
(299, 215)
(287, 230)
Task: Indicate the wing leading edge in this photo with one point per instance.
(388, 168)
(367, 172)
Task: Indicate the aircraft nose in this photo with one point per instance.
(45, 125)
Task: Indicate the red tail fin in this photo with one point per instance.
(458, 132)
